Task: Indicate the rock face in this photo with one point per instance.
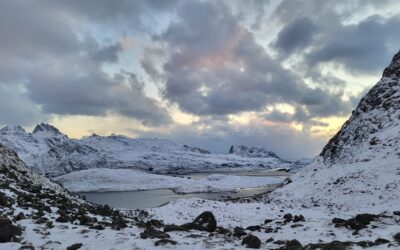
(252, 151)
(374, 125)
(47, 151)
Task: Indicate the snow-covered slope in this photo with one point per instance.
(46, 150)
(374, 127)
(358, 170)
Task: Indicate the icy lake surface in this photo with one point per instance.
(158, 197)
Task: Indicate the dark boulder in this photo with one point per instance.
(20, 216)
(251, 241)
(172, 227)
(396, 237)
(8, 231)
(293, 245)
(75, 246)
(381, 241)
(254, 228)
(239, 232)
(163, 242)
(153, 233)
(205, 222)
(288, 217)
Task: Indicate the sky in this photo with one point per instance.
(280, 74)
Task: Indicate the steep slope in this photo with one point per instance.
(358, 170)
(32, 208)
(46, 150)
(373, 128)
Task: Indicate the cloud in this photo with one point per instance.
(62, 70)
(16, 108)
(296, 35)
(361, 46)
(216, 67)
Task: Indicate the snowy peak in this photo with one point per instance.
(12, 130)
(252, 151)
(393, 70)
(44, 128)
(374, 127)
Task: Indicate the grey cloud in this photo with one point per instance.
(108, 53)
(301, 115)
(296, 35)
(96, 93)
(217, 68)
(364, 47)
(60, 70)
(16, 108)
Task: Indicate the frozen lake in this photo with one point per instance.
(158, 197)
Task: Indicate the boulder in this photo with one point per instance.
(251, 241)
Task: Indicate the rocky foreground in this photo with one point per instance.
(39, 214)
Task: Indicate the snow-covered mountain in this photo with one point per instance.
(358, 170)
(252, 151)
(374, 127)
(48, 151)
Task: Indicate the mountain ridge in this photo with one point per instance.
(48, 151)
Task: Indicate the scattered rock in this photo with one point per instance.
(269, 240)
(360, 221)
(163, 242)
(62, 219)
(288, 217)
(205, 222)
(153, 233)
(334, 245)
(298, 218)
(381, 241)
(20, 216)
(172, 227)
(239, 232)
(267, 221)
(251, 241)
(396, 237)
(75, 246)
(253, 228)
(293, 245)
(26, 248)
(222, 230)
(8, 231)
(4, 200)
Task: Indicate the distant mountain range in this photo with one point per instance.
(48, 151)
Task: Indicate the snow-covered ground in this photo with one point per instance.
(103, 179)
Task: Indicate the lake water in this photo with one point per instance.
(158, 197)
